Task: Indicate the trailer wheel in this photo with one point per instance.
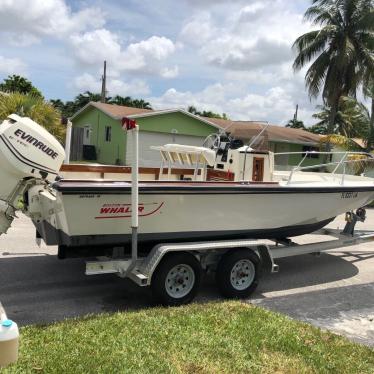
(176, 279)
(238, 273)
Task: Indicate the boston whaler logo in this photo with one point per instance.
(36, 143)
(124, 210)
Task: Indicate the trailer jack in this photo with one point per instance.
(351, 219)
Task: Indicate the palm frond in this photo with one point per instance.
(319, 16)
(340, 141)
(35, 108)
(315, 75)
(309, 45)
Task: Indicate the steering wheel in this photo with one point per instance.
(212, 141)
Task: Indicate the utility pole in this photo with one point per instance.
(103, 84)
(295, 115)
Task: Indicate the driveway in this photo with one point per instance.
(333, 291)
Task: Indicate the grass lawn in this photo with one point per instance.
(227, 337)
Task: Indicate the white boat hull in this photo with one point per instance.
(190, 212)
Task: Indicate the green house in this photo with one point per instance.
(98, 136)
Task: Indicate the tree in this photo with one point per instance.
(140, 103)
(193, 110)
(342, 50)
(205, 113)
(129, 101)
(317, 129)
(295, 124)
(35, 108)
(69, 108)
(58, 104)
(16, 83)
(83, 99)
(352, 119)
(119, 100)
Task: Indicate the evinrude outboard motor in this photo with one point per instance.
(28, 152)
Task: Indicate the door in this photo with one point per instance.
(258, 169)
(76, 146)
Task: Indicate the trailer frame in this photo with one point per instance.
(209, 253)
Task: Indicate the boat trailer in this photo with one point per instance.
(173, 270)
(247, 257)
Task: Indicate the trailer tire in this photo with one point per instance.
(238, 273)
(176, 279)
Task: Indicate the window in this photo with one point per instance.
(308, 148)
(87, 135)
(108, 133)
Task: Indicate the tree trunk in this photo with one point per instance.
(331, 126)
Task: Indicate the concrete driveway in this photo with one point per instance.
(334, 291)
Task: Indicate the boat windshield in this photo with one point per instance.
(339, 163)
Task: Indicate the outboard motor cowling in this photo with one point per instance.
(26, 150)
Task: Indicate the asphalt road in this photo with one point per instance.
(334, 290)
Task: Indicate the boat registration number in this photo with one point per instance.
(349, 195)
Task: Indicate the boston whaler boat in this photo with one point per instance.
(234, 196)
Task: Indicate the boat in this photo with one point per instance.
(234, 192)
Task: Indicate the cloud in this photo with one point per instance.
(169, 72)
(210, 3)
(245, 55)
(229, 56)
(9, 66)
(87, 82)
(27, 21)
(147, 56)
(93, 47)
(250, 43)
(276, 104)
(199, 29)
(247, 38)
(251, 13)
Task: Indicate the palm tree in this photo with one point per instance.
(206, 113)
(119, 100)
(193, 110)
(35, 108)
(140, 103)
(295, 124)
(16, 83)
(83, 99)
(58, 104)
(342, 50)
(351, 120)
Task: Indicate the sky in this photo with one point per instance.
(227, 56)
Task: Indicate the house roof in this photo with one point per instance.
(120, 111)
(248, 129)
(114, 111)
(240, 129)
